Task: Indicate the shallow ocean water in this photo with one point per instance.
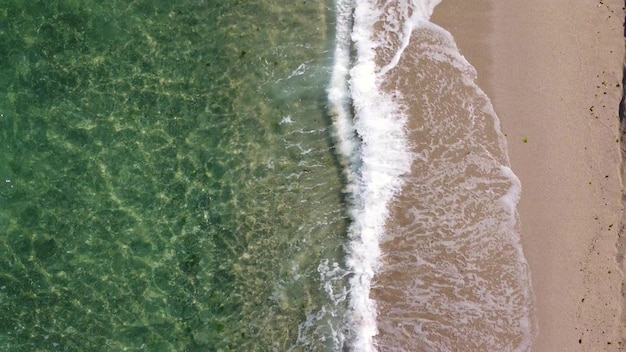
(168, 177)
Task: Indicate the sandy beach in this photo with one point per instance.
(553, 70)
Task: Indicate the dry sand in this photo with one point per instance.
(553, 70)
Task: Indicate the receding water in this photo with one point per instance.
(168, 181)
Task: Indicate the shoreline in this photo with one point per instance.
(553, 71)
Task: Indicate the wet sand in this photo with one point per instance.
(452, 276)
(553, 70)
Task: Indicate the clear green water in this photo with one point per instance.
(167, 177)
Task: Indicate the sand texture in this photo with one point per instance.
(553, 70)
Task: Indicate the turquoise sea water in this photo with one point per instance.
(168, 179)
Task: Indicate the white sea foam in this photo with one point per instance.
(372, 141)
(370, 134)
(317, 325)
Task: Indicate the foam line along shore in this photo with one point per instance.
(435, 252)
